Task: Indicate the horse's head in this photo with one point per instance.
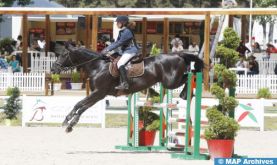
(64, 60)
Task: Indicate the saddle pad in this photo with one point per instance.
(133, 70)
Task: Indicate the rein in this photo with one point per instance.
(61, 67)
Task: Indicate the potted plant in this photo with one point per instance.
(57, 82)
(13, 105)
(149, 121)
(221, 131)
(75, 81)
(264, 93)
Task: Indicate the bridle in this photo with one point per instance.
(63, 68)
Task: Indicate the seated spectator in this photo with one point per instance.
(241, 64)
(41, 43)
(3, 62)
(253, 66)
(177, 47)
(35, 46)
(270, 49)
(194, 48)
(18, 42)
(176, 39)
(256, 48)
(14, 64)
(242, 49)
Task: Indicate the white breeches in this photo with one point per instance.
(124, 59)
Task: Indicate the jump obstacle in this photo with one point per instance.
(167, 137)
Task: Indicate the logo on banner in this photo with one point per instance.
(38, 109)
(247, 112)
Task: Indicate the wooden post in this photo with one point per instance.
(52, 87)
(144, 36)
(94, 32)
(87, 87)
(230, 21)
(88, 23)
(243, 27)
(24, 55)
(166, 35)
(46, 87)
(207, 51)
(47, 34)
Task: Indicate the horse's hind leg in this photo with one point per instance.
(86, 103)
(183, 94)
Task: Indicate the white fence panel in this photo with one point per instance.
(33, 82)
(250, 84)
(267, 66)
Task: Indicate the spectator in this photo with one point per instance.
(242, 49)
(3, 62)
(176, 39)
(18, 42)
(35, 46)
(241, 64)
(256, 48)
(41, 43)
(253, 65)
(14, 64)
(177, 47)
(270, 49)
(194, 48)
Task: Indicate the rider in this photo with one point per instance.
(125, 40)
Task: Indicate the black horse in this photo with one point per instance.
(169, 69)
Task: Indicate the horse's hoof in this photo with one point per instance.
(68, 129)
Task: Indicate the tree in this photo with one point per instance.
(226, 51)
(264, 19)
(8, 3)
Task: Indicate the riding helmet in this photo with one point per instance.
(122, 19)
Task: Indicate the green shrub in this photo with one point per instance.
(13, 105)
(55, 78)
(228, 104)
(231, 38)
(75, 77)
(264, 93)
(155, 50)
(228, 57)
(4, 43)
(217, 91)
(227, 50)
(229, 78)
(225, 77)
(220, 126)
(155, 125)
(150, 119)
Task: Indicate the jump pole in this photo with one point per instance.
(193, 152)
(133, 126)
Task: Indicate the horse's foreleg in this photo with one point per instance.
(74, 110)
(86, 103)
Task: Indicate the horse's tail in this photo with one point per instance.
(188, 58)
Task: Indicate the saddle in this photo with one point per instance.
(134, 67)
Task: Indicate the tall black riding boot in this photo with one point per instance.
(123, 79)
